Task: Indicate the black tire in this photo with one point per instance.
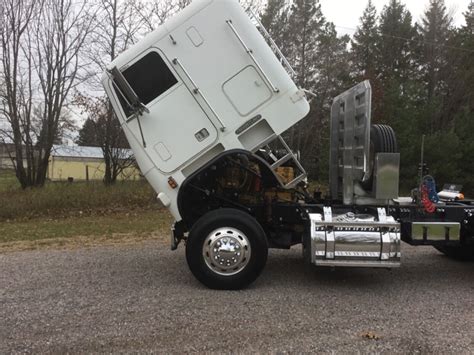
(461, 253)
(198, 259)
(382, 140)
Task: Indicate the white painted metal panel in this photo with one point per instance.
(166, 118)
(247, 91)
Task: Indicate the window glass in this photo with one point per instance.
(149, 78)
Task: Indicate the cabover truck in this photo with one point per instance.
(204, 102)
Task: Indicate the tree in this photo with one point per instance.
(102, 129)
(272, 13)
(61, 34)
(364, 43)
(458, 81)
(401, 102)
(365, 54)
(274, 18)
(154, 13)
(306, 22)
(255, 5)
(332, 77)
(88, 134)
(462, 95)
(320, 59)
(395, 46)
(40, 66)
(118, 25)
(17, 89)
(435, 33)
(469, 17)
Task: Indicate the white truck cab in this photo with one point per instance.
(204, 101)
(208, 83)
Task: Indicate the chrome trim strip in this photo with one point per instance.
(250, 53)
(197, 91)
(361, 263)
(327, 214)
(386, 242)
(267, 35)
(330, 244)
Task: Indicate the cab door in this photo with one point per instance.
(176, 128)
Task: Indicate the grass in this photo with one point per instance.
(64, 199)
(141, 222)
(65, 214)
(8, 181)
(85, 230)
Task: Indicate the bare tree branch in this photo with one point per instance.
(40, 44)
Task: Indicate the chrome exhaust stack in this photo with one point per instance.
(352, 240)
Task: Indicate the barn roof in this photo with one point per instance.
(66, 151)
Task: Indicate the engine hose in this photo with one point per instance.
(430, 183)
(429, 195)
(429, 206)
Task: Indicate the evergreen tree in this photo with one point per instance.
(395, 61)
(461, 59)
(88, 134)
(395, 46)
(365, 54)
(435, 33)
(332, 66)
(306, 25)
(400, 98)
(449, 84)
(364, 43)
(462, 51)
(306, 28)
(275, 19)
(469, 17)
(463, 107)
(332, 77)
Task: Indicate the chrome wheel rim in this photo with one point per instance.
(226, 251)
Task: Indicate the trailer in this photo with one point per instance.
(204, 102)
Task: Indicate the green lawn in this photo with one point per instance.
(88, 230)
(59, 199)
(78, 213)
(139, 222)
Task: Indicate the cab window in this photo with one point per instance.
(149, 77)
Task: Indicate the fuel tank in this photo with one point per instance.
(355, 240)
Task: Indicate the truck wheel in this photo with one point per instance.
(462, 252)
(226, 249)
(382, 140)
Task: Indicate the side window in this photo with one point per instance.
(149, 78)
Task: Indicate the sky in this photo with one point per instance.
(346, 13)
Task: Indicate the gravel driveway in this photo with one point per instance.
(142, 298)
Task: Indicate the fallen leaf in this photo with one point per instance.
(370, 335)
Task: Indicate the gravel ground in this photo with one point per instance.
(142, 298)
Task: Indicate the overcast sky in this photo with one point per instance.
(346, 13)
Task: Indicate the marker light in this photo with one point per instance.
(172, 182)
